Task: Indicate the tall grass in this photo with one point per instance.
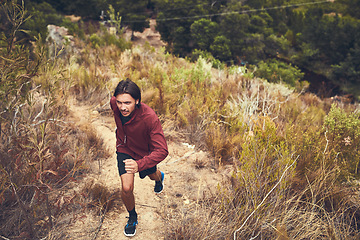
(41, 155)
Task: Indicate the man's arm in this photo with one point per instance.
(157, 146)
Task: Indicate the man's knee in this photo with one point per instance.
(127, 189)
(127, 183)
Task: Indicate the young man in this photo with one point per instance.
(140, 145)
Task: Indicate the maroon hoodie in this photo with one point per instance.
(141, 137)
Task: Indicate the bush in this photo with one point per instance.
(196, 54)
(74, 29)
(107, 39)
(17, 64)
(342, 132)
(276, 72)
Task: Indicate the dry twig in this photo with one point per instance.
(262, 202)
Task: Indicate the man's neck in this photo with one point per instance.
(125, 119)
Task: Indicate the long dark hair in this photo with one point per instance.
(129, 87)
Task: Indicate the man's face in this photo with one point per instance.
(126, 104)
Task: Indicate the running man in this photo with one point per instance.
(140, 145)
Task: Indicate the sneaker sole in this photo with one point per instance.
(130, 235)
(163, 185)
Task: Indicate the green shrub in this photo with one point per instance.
(119, 42)
(303, 132)
(265, 155)
(342, 131)
(96, 40)
(216, 63)
(18, 65)
(107, 39)
(73, 28)
(276, 72)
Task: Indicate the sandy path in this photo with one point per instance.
(184, 185)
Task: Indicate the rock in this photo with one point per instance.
(59, 40)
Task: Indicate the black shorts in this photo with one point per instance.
(121, 165)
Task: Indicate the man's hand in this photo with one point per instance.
(131, 166)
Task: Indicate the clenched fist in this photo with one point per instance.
(131, 166)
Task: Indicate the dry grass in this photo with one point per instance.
(197, 221)
(98, 197)
(233, 214)
(49, 154)
(42, 153)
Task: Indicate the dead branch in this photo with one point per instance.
(262, 202)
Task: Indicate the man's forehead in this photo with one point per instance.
(124, 98)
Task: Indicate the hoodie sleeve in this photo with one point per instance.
(157, 146)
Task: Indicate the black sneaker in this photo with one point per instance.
(130, 228)
(159, 185)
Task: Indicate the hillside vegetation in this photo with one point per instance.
(295, 157)
(286, 41)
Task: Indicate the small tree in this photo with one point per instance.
(221, 48)
(115, 18)
(134, 15)
(204, 32)
(276, 71)
(17, 64)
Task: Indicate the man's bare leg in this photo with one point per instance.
(156, 176)
(127, 193)
(159, 181)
